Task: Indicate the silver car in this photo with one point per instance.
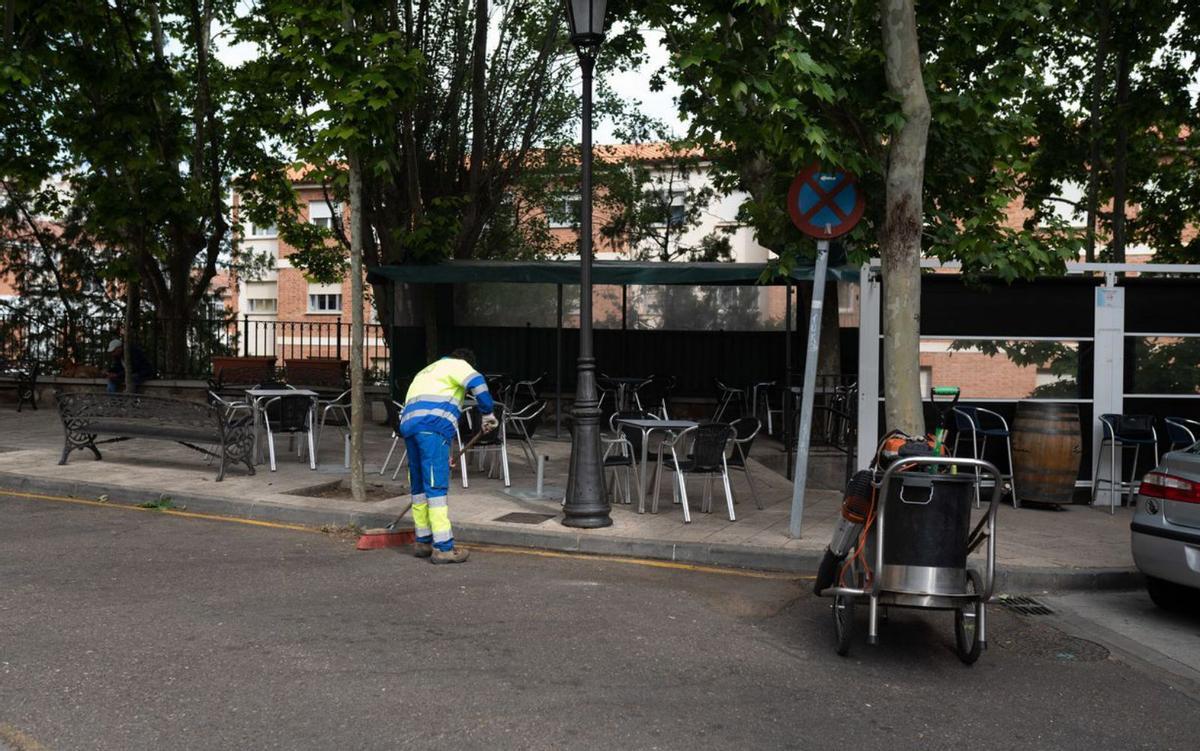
(1166, 530)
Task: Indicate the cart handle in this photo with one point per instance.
(909, 464)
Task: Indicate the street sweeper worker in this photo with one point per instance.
(429, 422)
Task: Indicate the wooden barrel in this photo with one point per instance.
(1047, 448)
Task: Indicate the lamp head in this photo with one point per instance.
(586, 19)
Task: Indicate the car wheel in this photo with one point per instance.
(1171, 596)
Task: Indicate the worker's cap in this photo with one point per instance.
(114, 345)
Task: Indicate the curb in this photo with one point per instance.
(1017, 580)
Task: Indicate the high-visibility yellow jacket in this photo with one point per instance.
(434, 400)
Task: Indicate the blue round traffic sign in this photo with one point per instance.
(825, 204)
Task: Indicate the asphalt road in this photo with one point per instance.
(124, 630)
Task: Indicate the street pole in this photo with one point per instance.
(810, 385)
(586, 505)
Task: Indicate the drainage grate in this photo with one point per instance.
(521, 517)
(1025, 605)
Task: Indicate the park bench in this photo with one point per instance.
(86, 416)
(21, 378)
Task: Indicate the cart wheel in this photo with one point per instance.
(843, 622)
(966, 620)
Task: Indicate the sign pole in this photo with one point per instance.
(810, 384)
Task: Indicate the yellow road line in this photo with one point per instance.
(156, 510)
(18, 739)
(649, 562)
(641, 562)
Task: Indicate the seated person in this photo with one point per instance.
(142, 369)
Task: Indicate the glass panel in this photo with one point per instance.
(1009, 368)
(1162, 365)
(685, 308)
(504, 304)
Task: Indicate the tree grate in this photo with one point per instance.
(1024, 605)
(520, 517)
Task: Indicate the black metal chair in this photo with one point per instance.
(1181, 432)
(727, 395)
(291, 415)
(524, 392)
(745, 430)
(706, 457)
(654, 394)
(523, 425)
(493, 445)
(1121, 431)
(394, 411)
(973, 422)
(622, 450)
(340, 407)
(760, 398)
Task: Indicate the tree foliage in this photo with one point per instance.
(1118, 124)
(771, 87)
(126, 103)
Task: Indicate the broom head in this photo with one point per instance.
(382, 537)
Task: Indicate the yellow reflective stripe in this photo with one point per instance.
(420, 513)
(439, 519)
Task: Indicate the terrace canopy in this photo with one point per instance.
(623, 274)
(620, 273)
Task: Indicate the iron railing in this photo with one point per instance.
(58, 341)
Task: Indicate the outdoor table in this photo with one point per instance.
(647, 427)
(624, 385)
(257, 396)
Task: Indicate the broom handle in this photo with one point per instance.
(463, 450)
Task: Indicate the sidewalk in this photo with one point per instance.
(1075, 548)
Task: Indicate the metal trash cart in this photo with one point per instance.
(928, 569)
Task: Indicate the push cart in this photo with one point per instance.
(915, 551)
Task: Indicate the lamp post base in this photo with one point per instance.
(587, 504)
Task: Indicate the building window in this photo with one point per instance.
(675, 207)
(262, 305)
(926, 379)
(563, 212)
(325, 302)
(253, 230)
(320, 214)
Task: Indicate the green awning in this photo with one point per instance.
(603, 272)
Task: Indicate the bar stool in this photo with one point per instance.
(1181, 432)
(970, 420)
(1121, 431)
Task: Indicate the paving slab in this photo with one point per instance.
(1077, 547)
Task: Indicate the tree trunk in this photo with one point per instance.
(358, 480)
(127, 336)
(1097, 99)
(829, 359)
(174, 331)
(1120, 165)
(900, 244)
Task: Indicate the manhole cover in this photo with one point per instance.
(1025, 605)
(522, 517)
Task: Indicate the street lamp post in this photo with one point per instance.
(586, 504)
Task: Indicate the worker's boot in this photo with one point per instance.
(422, 549)
(455, 555)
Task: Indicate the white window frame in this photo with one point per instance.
(251, 304)
(678, 201)
(321, 294)
(564, 211)
(321, 215)
(253, 230)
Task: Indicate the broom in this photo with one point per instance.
(390, 536)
